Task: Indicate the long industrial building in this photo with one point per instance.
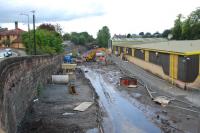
(175, 61)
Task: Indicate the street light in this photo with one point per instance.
(28, 20)
(34, 31)
(29, 37)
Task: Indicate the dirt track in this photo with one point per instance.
(46, 115)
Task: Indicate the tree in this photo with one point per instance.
(88, 37)
(177, 30)
(48, 27)
(58, 28)
(81, 38)
(156, 34)
(189, 28)
(195, 24)
(166, 33)
(195, 15)
(129, 35)
(66, 36)
(148, 34)
(47, 42)
(141, 33)
(103, 36)
(186, 29)
(75, 39)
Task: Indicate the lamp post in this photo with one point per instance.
(28, 20)
(29, 36)
(34, 39)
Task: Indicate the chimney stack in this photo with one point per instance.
(16, 25)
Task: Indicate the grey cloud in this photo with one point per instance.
(10, 12)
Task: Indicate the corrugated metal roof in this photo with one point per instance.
(187, 47)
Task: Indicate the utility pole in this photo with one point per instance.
(34, 39)
(29, 36)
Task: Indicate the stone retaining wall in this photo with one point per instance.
(19, 79)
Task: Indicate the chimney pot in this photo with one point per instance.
(16, 25)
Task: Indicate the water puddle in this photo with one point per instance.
(124, 116)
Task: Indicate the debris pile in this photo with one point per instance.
(128, 82)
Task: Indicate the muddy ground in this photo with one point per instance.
(170, 119)
(47, 114)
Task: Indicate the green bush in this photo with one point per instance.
(47, 42)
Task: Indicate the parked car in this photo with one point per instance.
(9, 51)
(6, 54)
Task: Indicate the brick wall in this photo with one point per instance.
(19, 78)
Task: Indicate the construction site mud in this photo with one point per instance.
(116, 108)
(53, 111)
(179, 116)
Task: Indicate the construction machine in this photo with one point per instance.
(90, 55)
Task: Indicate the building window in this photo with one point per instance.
(129, 51)
(188, 68)
(8, 37)
(139, 53)
(121, 50)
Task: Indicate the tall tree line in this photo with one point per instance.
(187, 28)
(84, 38)
(81, 38)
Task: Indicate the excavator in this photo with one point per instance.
(90, 56)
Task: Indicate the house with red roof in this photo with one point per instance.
(11, 38)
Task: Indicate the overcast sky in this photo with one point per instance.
(121, 16)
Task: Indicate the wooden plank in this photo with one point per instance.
(83, 106)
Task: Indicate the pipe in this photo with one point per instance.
(60, 79)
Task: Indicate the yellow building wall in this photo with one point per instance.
(119, 50)
(199, 66)
(157, 70)
(2, 45)
(12, 38)
(17, 45)
(2, 39)
(173, 67)
(124, 50)
(146, 55)
(196, 83)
